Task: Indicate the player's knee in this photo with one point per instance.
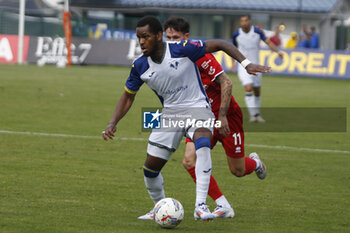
(249, 93)
(149, 172)
(188, 163)
(248, 88)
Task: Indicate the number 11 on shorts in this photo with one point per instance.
(237, 137)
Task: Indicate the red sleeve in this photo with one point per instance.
(209, 66)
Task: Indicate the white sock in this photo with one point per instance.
(203, 172)
(258, 163)
(155, 188)
(250, 103)
(223, 202)
(257, 104)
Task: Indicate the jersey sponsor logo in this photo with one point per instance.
(176, 90)
(205, 64)
(184, 44)
(211, 70)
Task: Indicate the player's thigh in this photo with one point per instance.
(257, 81)
(162, 144)
(234, 142)
(202, 127)
(244, 77)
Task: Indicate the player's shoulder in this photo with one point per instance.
(184, 48)
(184, 44)
(235, 33)
(140, 64)
(258, 30)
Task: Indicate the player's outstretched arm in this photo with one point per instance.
(121, 109)
(226, 91)
(212, 46)
(217, 45)
(273, 47)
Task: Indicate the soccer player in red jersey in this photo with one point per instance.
(218, 88)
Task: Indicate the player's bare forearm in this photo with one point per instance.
(226, 91)
(273, 47)
(217, 45)
(121, 109)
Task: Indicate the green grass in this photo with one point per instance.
(58, 184)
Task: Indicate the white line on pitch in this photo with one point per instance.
(290, 148)
(287, 148)
(68, 135)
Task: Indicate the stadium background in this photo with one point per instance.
(57, 175)
(95, 23)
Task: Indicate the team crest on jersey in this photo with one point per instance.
(174, 64)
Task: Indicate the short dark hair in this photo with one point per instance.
(178, 23)
(154, 24)
(246, 15)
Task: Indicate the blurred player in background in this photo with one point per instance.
(169, 70)
(314, 40)
(247, 39)
(276, 39)
(218, 87)
(292, 42)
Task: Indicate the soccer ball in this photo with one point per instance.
(168, 213)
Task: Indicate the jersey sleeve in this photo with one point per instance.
(234, 38)
(209, 66)
(261, 34)
(134, 82)
(193, 49)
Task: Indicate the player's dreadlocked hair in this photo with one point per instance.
(177, 23)
(154, 25)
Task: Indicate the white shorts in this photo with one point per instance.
(163, 142)
(247, 79)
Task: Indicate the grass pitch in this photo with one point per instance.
(56, 183)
